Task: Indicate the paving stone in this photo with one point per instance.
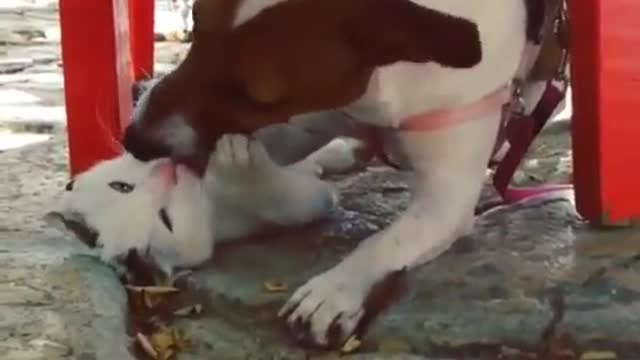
(55, 299)
(11, 294)
(500, 286)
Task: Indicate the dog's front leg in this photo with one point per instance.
(450, 167)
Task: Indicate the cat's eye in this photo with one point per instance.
(69, 186)
(121, 186)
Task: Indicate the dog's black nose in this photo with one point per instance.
(141, 146)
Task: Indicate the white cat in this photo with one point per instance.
(174, 218)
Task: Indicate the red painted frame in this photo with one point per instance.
(101, 56)
(605, 48)
(141, 15)
(99, 66)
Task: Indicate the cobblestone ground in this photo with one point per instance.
(532, 280)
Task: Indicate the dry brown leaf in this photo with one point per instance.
(167, 342)
(189, 310)
(150, 296)
(393, 346)
(168, 354)
(599, 355)
(329, 356)
(150, 301)
(163, 344)
(181, 341)
(512, 353)
(274, 286)
(351, 345)
(146, 345)
(154, 290)
(564, 354)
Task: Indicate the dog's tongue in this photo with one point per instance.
(168, 172)
(173, 173)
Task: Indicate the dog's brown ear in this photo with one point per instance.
(387, 31)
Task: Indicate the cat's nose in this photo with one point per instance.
(143, 147)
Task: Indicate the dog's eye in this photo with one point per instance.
(121, 186)
(69, 186)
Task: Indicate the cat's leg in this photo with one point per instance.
(322, 142)
(341, 155)
(248, 182)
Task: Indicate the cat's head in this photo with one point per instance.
(158, 210)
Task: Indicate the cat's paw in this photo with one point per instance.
(238, 155)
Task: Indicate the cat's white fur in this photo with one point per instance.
(243, 192)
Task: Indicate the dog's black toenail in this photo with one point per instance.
(300, 337)
(381, 296)
(286, 314)
(335, 333)
(301, 326)
(300, 332)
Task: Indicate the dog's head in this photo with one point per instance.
(151, 208)
(257, 62)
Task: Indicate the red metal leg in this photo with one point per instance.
(141, 15)
(606, 120)
(96, 55)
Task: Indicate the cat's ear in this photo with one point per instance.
(66, 220)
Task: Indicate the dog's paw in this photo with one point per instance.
(238, 154)
(326, 311)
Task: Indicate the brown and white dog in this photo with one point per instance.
(434, 74)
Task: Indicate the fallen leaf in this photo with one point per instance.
(351, 345)
(564, 354)
(189, 310)
(150, 296)
(599, 355)
(393, 346)
(146, 345)
(167, 342)
(150, 301)
(154, 290)
(329, 356)
(274, 286)
(512, 353)
(168, 354)
(508, 351)
(163, 344)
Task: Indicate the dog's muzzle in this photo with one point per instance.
(141, 146)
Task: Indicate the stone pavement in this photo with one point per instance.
(494, 292)
(532, 282)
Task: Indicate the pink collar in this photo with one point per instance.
(439, 119)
